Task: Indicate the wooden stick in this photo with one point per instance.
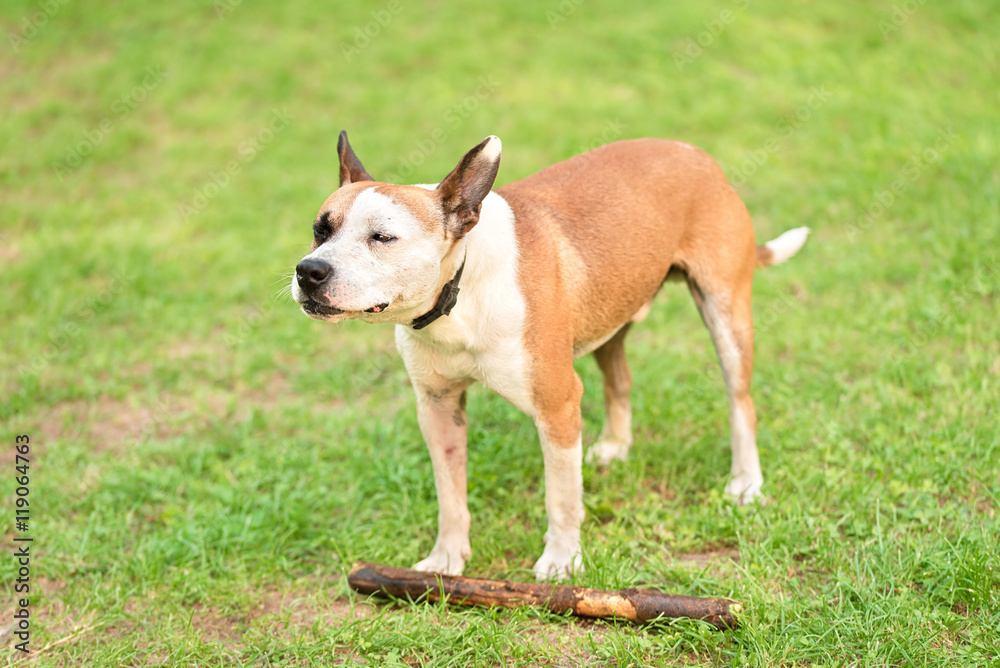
(636, 605)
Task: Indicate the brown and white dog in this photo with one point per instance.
(550, 268)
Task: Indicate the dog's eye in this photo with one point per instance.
(382, 238)
(321, 230)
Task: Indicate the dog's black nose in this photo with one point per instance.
(311, 272)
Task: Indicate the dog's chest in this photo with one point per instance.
(484, 337)
(461, 351)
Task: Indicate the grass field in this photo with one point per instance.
(206, 462)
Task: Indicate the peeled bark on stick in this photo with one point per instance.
(636, 605)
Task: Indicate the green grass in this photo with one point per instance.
(207, 462)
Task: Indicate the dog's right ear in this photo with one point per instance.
(351, 169)
(463, 191)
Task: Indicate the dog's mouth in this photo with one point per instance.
(315, 308)
(312, 307)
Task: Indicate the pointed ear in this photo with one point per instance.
(463, 191)
(351, 169)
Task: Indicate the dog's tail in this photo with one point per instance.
(785, 246)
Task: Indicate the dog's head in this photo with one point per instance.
(378, 249)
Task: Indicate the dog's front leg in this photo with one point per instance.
(442, 420)
(558, 421)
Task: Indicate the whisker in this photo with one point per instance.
(284, 277)
(284, 291)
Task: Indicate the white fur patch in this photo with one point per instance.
(564, 506)
(788, 244)
(745, 477)
(606, 451)
(643, 311)
(725, 343)
(492, 149)
(483, 338)
(745, 480)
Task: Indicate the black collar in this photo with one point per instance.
(445, 302)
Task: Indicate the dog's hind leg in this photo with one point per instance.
(616, 436)
(725, 309)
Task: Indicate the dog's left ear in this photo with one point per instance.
(351, 169)
(463, 191)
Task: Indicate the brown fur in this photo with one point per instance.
(424, 204)
(627, 213)
(617, 384)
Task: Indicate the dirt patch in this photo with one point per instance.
(111, 423)
(184, 349)
(276, 392)
(284, 609)
(717, 562)
(709, 558)
(9, 250)
(987, 507)
(277, 612)
(281, 612)
(983, 504)
(665, 492)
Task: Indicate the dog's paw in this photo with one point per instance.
(557, 564)
(604, 452)
(444, 561)
(744, 489)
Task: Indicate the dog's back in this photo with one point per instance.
(617, 219)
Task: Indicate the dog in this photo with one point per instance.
(509, 287)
